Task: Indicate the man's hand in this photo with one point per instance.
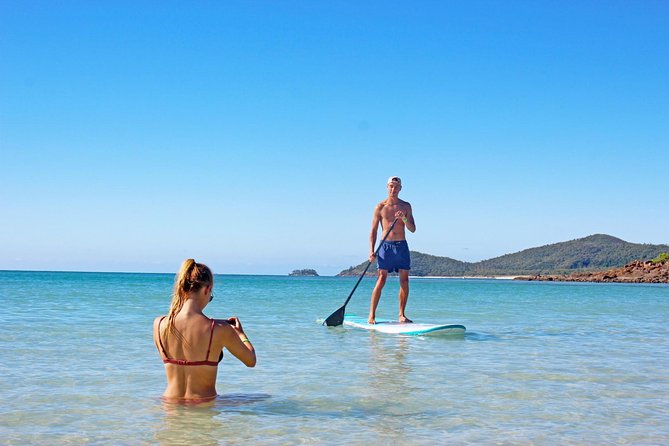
(372, 257)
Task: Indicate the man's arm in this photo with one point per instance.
(376, 219)
(410, 223)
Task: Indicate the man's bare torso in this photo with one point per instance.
(386, 211)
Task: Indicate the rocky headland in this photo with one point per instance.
(634, 272)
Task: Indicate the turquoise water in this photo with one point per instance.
(541, 363)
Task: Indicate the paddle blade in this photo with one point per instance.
(336, 318)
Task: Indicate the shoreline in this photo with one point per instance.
(467, 277)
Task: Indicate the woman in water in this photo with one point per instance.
(190, 344)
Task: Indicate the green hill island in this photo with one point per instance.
(596, 252)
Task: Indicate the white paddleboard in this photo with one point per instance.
(410, 329)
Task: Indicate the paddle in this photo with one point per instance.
(337, 318)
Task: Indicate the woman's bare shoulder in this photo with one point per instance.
(223, 330)
(156, 326)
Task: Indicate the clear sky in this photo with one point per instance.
(258, 136)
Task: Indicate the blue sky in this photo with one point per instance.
(257, 136)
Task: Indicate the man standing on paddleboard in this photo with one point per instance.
(393, 255)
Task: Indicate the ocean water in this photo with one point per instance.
(541, 363)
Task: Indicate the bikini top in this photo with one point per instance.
(206, 361)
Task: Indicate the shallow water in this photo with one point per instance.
(541, 363)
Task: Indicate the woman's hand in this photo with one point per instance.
(236, 324)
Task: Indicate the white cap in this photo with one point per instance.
(397, 180)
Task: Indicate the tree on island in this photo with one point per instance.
(304, 272)
(663, 257)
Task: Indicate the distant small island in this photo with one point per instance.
(304, 272)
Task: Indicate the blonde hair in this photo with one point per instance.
(192, 277)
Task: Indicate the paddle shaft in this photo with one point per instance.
(369, 263)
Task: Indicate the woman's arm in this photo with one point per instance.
(236, 341)
(156, 333)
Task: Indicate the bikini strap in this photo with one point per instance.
(159, 338)
(211, 336)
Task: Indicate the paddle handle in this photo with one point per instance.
(369, 263)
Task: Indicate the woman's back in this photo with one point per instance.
(191, 344)
(191, 353)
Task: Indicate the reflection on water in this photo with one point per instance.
(471, 336)
(207, 423)
(240, 399)
(388, 366)
(389, 381)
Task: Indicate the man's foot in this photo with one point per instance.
(405, 320)
(371, 320)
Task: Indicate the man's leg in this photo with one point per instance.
(376, 295)
(404, 294)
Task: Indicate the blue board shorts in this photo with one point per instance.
(394, 256)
